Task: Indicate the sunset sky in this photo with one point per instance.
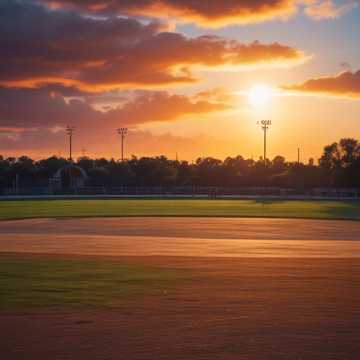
(187, 77)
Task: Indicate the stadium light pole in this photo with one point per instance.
(70, 131)
(122, 132)
(265, 125)
(298, 159)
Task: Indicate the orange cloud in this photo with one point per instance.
(35, 119)
(101, 54)
(218, 94)
(162, 106)
(208, 13)
(344, 84)
(46, 108)
(176, 56)
(328, 9)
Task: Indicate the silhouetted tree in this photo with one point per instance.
(341, 162)
(338, 166)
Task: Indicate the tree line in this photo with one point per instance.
(339, 166)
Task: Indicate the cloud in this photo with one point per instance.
(328, 9)
(34, 108)
(39, 45)
(31, 108)
(205, 13)
(31, 141)
(162, 106)
(208, 13)
(344, 84)
(34, 120)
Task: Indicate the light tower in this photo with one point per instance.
(298, 156)
(122, 132)
(70, 130)
(265, 125)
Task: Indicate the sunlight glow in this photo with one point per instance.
(260, 95)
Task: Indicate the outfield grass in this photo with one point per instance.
(232, 208)
(40, 282)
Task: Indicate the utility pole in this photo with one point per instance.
(70, 130)
(265, 125)
(298, 156)
(122, 132)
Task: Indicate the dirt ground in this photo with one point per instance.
(213, 237)
(286, 303)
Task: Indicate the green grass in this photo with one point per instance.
(232, 208)
(43, 282)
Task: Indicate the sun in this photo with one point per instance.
(259, 95)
